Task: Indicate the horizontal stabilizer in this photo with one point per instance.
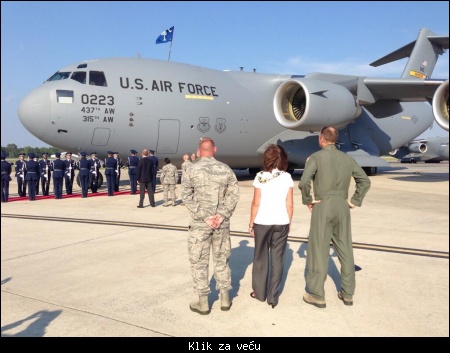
(422, 53)
(403, 52)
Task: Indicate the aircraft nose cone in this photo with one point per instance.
(34, 111)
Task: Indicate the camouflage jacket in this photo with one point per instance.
(169, 174)
(210, 188)
(184, 168)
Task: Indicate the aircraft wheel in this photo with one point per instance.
(370, 170)
(100, 181)
(253, 171)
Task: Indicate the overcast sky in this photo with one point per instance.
(38, 38)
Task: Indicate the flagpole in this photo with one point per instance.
(170, 50)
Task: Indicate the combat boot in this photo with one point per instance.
(201, 306)
(225, 303)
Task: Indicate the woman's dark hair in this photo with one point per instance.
(274, 157)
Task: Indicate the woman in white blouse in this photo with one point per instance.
(270, 218)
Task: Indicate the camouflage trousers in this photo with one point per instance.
(169, 188)
(201, 239)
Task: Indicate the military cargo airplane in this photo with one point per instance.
(429, 150)
(130, 103)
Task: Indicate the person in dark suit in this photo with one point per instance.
(44, 166)
(58, 167)
(154, 160)
(84, 170)
(6, 177)
(132, 164)
(110, 172)
(32, 175)
(20, 175)
(94, 175)
(144, 179)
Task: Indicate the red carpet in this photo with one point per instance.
(65, 196)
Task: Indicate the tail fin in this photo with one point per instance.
(423, 54)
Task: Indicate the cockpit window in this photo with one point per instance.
(79, 76)
(59, 76)
(97, 78)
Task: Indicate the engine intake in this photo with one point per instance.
(308, 105)
(418, 147)
(440, 105)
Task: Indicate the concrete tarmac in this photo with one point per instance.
(99, 266)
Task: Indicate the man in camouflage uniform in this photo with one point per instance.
(331, 171)
(184, 168)
(169, 178)
(210, 192)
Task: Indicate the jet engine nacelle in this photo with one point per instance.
(308, 105)
(440, 105)
(418, 147)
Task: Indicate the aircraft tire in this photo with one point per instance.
(370, 171)
(100, 181)
(253, 171)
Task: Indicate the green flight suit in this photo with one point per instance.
(331, 171)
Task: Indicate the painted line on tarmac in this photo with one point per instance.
(363, 246)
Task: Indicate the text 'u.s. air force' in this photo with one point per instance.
(168, 86)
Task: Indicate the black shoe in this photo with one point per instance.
(140, 206)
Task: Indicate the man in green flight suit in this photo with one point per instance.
(331, 171)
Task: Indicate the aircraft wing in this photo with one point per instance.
(401, 89)
(365, 159)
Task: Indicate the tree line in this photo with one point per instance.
(13, 151)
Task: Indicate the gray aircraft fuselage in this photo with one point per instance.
(132, 103)
(432, 149)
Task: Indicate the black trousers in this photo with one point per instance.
(45, 183)
(270, 249)
(151, 196)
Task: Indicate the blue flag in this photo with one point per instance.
(165, 36)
